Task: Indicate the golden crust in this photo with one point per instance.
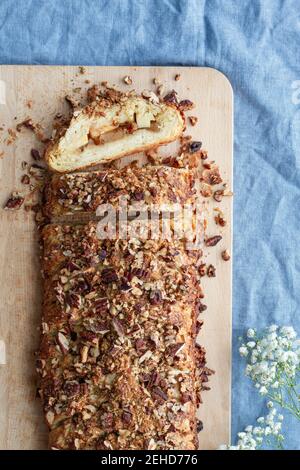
(151, 185)
(118, 362)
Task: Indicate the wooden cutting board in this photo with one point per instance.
(38, 92)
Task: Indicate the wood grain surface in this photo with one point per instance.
(38, 92)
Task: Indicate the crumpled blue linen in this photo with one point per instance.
(257, 45)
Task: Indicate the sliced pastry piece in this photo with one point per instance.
(145, 125)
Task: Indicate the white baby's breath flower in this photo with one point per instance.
(288, 331)
(251, 344)
(270, 404)
(251, 333)
(243, 351)
(273, 328)
(263, 390)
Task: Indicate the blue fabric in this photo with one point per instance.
(257, 45)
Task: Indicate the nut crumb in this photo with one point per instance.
(211, 271)
(160, 90)
(127, 79)
(25, 179)
(177, 77)
(156, 81)
(226, 255)
(193, 120)
(14, 202)
(82, 69)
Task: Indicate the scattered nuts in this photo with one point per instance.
(177, 77)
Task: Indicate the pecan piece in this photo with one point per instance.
(211, 271)
(218, 195)
(212, 241)
(63, 342)
(72, 388)
(126, 417)
(171, 97)
(118, 326)
(186, 105)
(127, 79)
(174, 349)
(14, 202)
(107, 421)
(159, 395)
(155, 297)
(202, 269)
(140, 345)
(195, 146)
(225, 255)
(109, 275)
(35, 154)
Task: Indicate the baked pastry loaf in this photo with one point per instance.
(145, 124)
(118, 363)
(84, 192)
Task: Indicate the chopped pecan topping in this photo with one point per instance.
(63, 342)
(159, 395)
(138, 196)
(141, 345)
(74, 300)
(126, 417)
(177, 77)
(72, 388)
(186, 397)
(109, 275)
(201, 307)
(107, 421)
(118, 326)
(155, 297)
(174, 349)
